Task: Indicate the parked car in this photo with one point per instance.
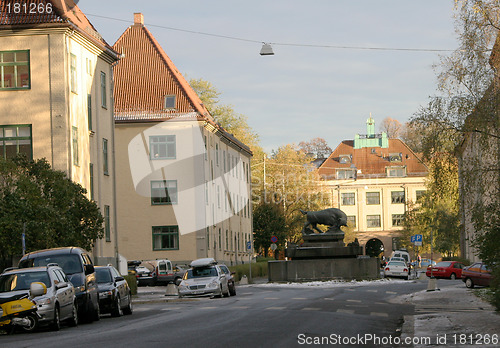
(115, 296)
(401, 253)
(56, 304)
(446, 269)
(396, 269)
(204, 277)
(399, 259)
(476, 274)
(144, 275)
(424, 263)
(230, 279)
(132, 265)
(79, 269)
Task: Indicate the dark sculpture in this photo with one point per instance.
(333, 217)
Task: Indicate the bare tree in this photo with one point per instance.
(317, 146)
(392, 127)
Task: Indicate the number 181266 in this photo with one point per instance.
(27, 7)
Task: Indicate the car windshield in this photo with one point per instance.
(103, 275)
(70, 263)
(201, 272)
(22, 281)
(443, 264)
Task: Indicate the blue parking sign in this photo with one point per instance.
(249, 245)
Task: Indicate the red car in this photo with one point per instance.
(446, 269)
(476, 274)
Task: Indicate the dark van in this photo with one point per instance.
(78, 266)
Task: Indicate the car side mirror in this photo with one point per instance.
(37, 289)
(119, 279)
(89, 269)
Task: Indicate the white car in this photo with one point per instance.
(204, 277)
(396, 269)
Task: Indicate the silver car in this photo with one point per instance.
(204, 277)
(57, 302)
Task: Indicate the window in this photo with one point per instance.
(348, 198)
(345, 174)
(373, 221)
(227, 240)
(397, 219)
(91, 170)
(397, 197)
(162, 147)
(104, 103)
(169, 102)
(396, 172)
(107, 227)
(73, 74)
(345, 158)
(105, 166)
(419, 194)
(165, 237)
(164, 192)
(351, 221)
(395, 157)
(14, 140)
(373, 198)
(74, 138)
(88, 66)
(15, 70)
(217, 154)
(89, 110)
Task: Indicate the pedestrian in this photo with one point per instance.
(419, 259)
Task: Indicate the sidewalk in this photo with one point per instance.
(451, 317)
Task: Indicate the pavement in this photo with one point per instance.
(451, 316)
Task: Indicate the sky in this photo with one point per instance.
(305, 90)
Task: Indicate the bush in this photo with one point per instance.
(259, 269)
(132, 283)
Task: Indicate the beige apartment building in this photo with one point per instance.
(184, 182)
(56, 103)
(372, 179)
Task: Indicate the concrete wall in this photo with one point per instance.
(323, 269)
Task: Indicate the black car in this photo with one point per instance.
(115, 296)
(78, 266)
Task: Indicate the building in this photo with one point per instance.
(56, 101)
(184, 182)
(478, 160)
(372, 179)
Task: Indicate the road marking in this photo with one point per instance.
(271, 298)
(357, 301)
(240, 307)
(329, 298)
(311, 309)
(379, 314)
(391, 292)
(371, 290)
(209, 307)
(170, 309)
(348, 311)
(276, 308)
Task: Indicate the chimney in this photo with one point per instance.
(138, 18)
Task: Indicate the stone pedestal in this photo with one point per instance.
(322, 246)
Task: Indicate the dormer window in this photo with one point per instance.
(169, 102)
(396, 172)
(345, 174)
(345, 158)
(395, 157)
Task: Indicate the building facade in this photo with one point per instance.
(184, 182)
(56, 103)
(372, 179)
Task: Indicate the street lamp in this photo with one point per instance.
(266, 50)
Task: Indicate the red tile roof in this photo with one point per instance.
(372, 161)
(145, 75)
(62, 13)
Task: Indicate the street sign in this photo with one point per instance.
(249, 245)
(274, 247)
(417, 239)
(274, 239)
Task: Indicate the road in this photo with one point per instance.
(259, 316)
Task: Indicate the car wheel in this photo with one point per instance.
(469, 283)
(128, 310)
(33, 323)
(56, 324)
(232, 290)
(453, 276)
(73, 321)
(117, 310)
